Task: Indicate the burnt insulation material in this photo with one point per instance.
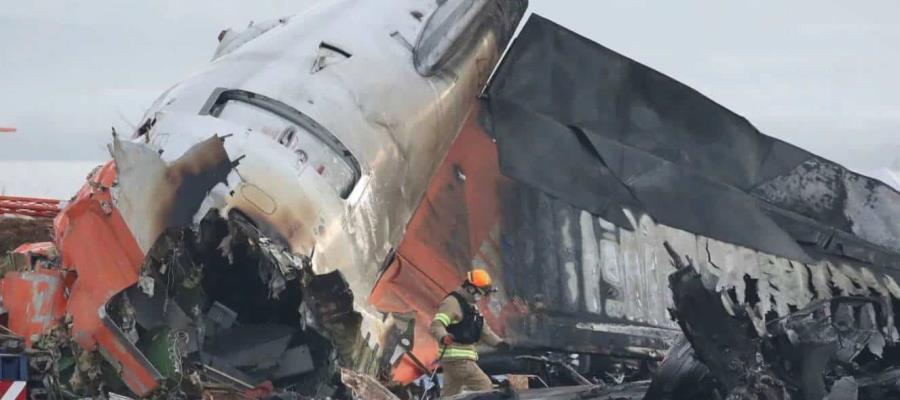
(602, 132)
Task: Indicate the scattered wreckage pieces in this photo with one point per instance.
(14, 359)
(169, 301)
(827, 345)
(832, 348)
(153, 195)
(626, 391)
(96, 244)
(214, 278)
(680, 375)
(216, 312)
(224, 312)
(724, 343)
(365, 386)
(880, 385)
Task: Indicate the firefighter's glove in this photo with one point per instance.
(503, 346)
(447, 340)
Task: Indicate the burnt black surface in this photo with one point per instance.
(203, 166)
(445, 226)
(258, 345)
(540, 237)
(600, 131)
(680, 376)
(223, 265)
(727, 345)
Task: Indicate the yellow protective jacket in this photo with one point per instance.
(450, 312)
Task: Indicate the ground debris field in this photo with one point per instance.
(285, 223)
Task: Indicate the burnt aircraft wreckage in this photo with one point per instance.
(284, 223)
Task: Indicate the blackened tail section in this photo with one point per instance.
(564, 110)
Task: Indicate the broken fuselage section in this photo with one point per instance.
(234, 240)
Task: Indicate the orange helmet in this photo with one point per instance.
(479, 278)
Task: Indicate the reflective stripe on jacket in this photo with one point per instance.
(458, 352)
(450, 312)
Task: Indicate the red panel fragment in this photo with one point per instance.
(443, 238)
(95, 242)
(35, 301)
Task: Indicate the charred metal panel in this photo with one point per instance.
(769, 228)
(445, 227)
(790, 352)
(725, 344)
(568, 279)
(656, 146)
(153, 195)
(563, 260)
(573, 281)
(680, 375)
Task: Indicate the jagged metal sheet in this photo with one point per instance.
(583, 276)
(595, 162)
(561, 106)
(587, 283)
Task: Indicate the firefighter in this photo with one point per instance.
(458, 325)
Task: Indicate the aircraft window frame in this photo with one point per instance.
(221, 96)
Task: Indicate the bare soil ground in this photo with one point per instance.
(16, 231)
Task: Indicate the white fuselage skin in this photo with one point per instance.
(396, 123)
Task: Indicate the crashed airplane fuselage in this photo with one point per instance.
(304, 203)
(313, 138)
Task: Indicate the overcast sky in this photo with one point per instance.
(824, 74)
